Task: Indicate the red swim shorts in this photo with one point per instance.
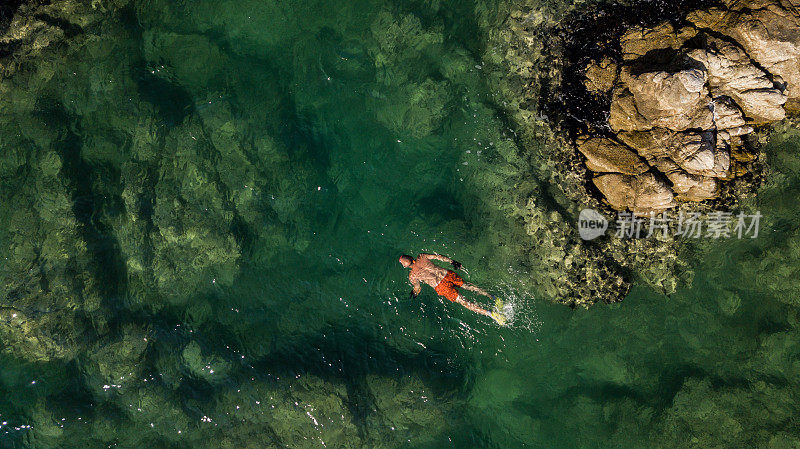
(447, 287)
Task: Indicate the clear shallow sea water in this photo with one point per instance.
(244, 175)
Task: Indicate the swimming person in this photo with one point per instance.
(445, 282)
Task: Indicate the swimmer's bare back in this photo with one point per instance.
(423, 270)
(445, 282)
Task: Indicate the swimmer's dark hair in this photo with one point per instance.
(406, 257)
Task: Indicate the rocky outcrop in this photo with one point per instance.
(683, 99)
(731, 74)
(547, 190)
(767, 30)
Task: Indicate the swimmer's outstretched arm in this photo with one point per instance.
(472, 306)
(455, 264)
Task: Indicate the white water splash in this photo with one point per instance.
(519, 307)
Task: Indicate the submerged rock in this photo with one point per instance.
(601, 76)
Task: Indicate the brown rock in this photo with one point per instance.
(728, 121)
(685, 125)
(652, 194)
(606, 156)
(617, 189)
(732, 74)
(642, 194)
(624, 115)
(685, 186)
(601, 76)
(766, 31)
(676, 101)
(693, 151)
(638, 41)
(726, 114)
(651, 145)
(726, 134)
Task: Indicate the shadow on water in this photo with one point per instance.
(349, 354)
(439, 206)
(91, 209)
(172, 103)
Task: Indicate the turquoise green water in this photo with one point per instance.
(203, 204)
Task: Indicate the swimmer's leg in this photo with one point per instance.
(497, 316)
(477, 290)
(460, 299)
